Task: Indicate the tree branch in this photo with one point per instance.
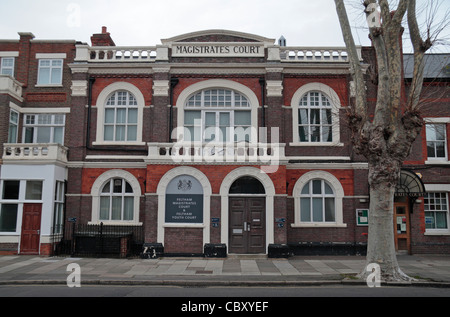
(357, 73)
(376, 35)
(420, 47)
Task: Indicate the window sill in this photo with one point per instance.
(319, 225)
(48, 85)
(438, 161)
(437, 232)
(316, 144)
(134, 143)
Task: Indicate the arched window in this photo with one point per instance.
(121, 117)
(247, 185)
(315, 114)
(120, 108)
(314, 118)
(116, 201)
(317, 202)
(217, 115)
(115, 198)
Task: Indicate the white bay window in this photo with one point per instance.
(44, 128)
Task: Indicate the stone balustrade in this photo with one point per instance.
(50, 152)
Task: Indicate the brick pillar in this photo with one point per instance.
(274, 103)
(161, 103)
(76, 125)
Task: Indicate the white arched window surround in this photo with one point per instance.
(96, 193)
(266, 181)
(336, 105)
(219, 84)
(101, 103)
(161, 192)
(338, 192)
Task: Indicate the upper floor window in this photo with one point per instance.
(121, 117)
(44, 128)
(50, 72)
(120, 109)
(217, 115)
(436, 141)
(13, 126)
(7, 66)
(315, 118)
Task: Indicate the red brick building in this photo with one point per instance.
(211, 143)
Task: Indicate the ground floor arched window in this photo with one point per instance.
(115, 198)
(318, 200)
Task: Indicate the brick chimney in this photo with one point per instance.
(23, 61)
(102, 39)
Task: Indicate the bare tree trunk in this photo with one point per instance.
(381, 246)
(386, 140)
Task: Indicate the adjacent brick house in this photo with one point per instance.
(35, 103)
(214, 139)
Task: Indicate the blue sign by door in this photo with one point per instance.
(184, 200)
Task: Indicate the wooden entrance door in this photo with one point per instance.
(31, 226)
(401, 227)
(247, 231)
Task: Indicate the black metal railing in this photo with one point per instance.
(99, 240)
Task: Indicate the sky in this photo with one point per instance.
(145, 23)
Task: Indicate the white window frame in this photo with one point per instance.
(58, 212)
(13, 124)
(199, 102)
(324, 105)
(437, 122)
(322, 196)
(101, 105)
(113, 104)
(110, 194)
(23, 197)
(35, 125)
(222, 84)
(338, 190)
(334, 100)
(4, 68)
(50, 68)
(96, 193)
(438, 231)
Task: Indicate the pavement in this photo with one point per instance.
(428, 270)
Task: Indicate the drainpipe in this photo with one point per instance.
(88, 128)
(262, 82)
(173, 82)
